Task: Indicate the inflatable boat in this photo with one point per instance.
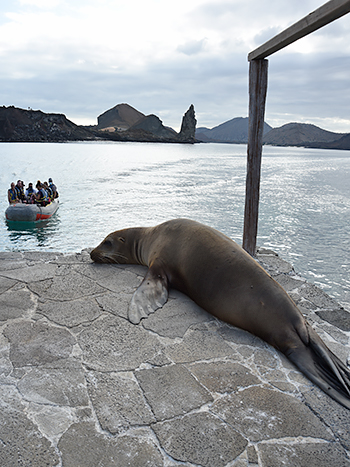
(31, 212)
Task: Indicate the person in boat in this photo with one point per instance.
(20, 191)
(49, 192)
(41, 197)
(30, 192)
(53, 188)
(12, 194)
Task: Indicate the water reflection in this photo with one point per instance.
(34, 234)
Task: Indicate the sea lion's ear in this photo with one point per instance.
(121, 239)
(148, 297)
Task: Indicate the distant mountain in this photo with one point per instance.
(122, 117)
(232, 131)
(34, 125)
(291, 134)
(300, 134)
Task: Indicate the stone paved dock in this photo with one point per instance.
(82, 387)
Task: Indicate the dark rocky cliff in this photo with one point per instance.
(33, 125)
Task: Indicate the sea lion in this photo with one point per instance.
(227, 282)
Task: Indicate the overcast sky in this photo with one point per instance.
(82, 57)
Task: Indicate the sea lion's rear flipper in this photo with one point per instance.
(323, 368)
(149, 296)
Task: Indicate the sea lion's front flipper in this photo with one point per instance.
(149, 296)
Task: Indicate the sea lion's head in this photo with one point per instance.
(117, 247)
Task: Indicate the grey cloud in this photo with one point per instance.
(251, 12)
(266, 34)
(311, 85)
(192, 47)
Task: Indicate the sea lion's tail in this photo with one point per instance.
(322, 367)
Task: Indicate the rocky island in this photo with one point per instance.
(124, 123)
(121, 123)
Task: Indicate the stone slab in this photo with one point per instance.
(200, 439)
(178, 315)
(312, 454)
(70, 313)
(36, 344)
(51, 386)
(338, 317)
(114, 344)
(16, 302)
(172, 391)
(223, 377)
(118, 401)
(83, 446)
(263, 413)
(21, 441)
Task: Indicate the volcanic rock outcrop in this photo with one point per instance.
(188, 126)
(33, 125)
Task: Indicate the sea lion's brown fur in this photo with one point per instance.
(228, 283)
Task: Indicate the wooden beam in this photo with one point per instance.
(327, 13)
(257, 98)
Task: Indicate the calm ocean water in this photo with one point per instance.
(304, 209)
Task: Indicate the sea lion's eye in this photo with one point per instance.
(121, 239)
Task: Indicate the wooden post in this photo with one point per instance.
(327, 13)
(257, 98)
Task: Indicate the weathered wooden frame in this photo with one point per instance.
(258, 79)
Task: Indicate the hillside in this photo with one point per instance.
(122, 117)
(154, 125)
(232, 131)
(299, 134)
(291, 134)
(150, 128)
(33, 125)
(341, 143)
